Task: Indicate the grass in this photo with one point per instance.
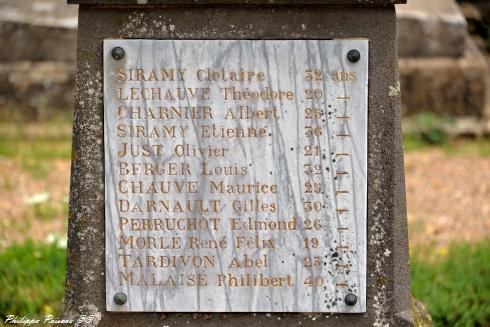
(468, 147)
(427, 130)
(50, 210)
(454, 283)
(31, 279)
(32, 274)
(36, 145)
(459, 147)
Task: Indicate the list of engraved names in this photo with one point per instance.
(235, 175)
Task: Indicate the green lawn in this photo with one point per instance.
(454, 283)
(36, 145)
(428, 130)
(31, 279)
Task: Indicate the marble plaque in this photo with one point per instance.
(235, 175)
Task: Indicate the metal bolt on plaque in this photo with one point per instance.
(117, 53)
(353, 55)
(350, 299)
(120, 298)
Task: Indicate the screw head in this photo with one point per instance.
(350, 299)
(120, 298)
(117, 53)
(353, 56)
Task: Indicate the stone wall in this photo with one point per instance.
(37, 68)
(441, 68)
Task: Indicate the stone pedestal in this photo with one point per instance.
(388, 287)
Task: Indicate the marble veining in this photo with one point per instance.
(236, 175)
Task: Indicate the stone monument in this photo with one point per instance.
(237, 162)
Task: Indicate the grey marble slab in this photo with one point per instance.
(217, 212)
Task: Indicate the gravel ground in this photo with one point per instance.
(31, 207)
(448, 199)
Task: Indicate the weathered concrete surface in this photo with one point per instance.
(446, 86)
(388, 291)
(434, 28)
